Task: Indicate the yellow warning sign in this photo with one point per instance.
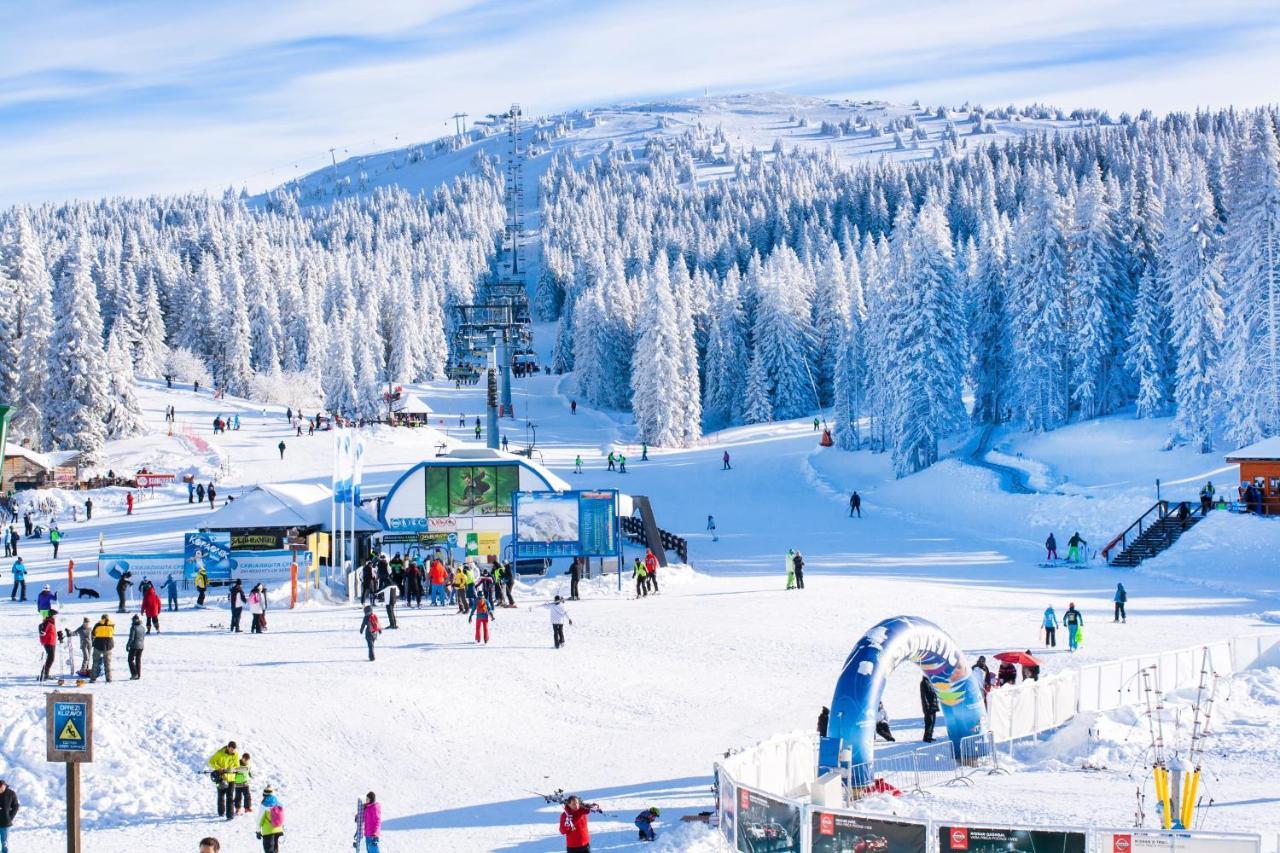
(69, 731)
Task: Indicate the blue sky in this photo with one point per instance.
(160, 96)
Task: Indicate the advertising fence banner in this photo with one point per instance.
(728, 802)
(1154, 841)
(841, 832)
(114, 565)
(767, 824)
(977, 839)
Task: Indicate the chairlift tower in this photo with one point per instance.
(513, 193)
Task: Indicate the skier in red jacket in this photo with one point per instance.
(651, 566)
(49, 642)
(573, 825)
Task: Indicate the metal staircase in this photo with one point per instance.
(1154, 532)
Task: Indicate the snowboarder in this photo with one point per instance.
(243, 796)
(238, 601)
(128, 503)
(577, 464)
(482, 613)
(202, 584)
(279, 447)
(559, 615)
(133, 648)
(1050, 625)
(711, 525)
(271, 821)
(644, 823)
(855, 505)
(88, 509)
(791, 569)
(929, 705)
(46, 600)
(1050, 548)
(48, 642)
(641, 575)
(1074, 623)
(170, 586)
(223, 765)
(55, 539)
(574, 825)
(612, 458)
(371, 817)
(882, 723)
(1120, 598)
(1073, 547)
(19, 570)
(651, 570)
(725, 459)
(9, 806)
(104, 640)
(799, 562)
(122, 588)
(151, 609)
(370, 628)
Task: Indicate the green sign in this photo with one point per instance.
(462, 490)
(5, 412)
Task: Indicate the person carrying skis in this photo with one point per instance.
(791, 569)
(223, 764)
(855, 505)
(133, 648)
(19, 570)
(151, 609)
(1073, 547)
(559, 615)
(641, 575)
(574, 825)
(1050, 625)
(238, 601)
(644, 823)
(104, 640)
(1074, 623)
(243, 796)
(370, 628)
(271, 821)
(1120, 598)
(202, 585)
(651, 570)
(371, 819)
(46, 600)
(482, 613)
(48, 642)
(1050, 548)
(929, 705)
(799, 562)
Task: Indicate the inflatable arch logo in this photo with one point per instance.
(862, 681)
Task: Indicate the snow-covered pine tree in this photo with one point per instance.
(77, 391)
(1251, 369)
(149, 350)
(722, 399)
(781, 337)
(655, 374)
(1188, 263)
(830, 319)
(123, 417)
(31, 303)
(688, 398)
(1096, 276)
(232, 334)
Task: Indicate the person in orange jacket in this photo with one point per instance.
(439, 577)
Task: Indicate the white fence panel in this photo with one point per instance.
(1220, 655)
(1023, 717)
(1090, 681)
(1130, 682)
(1066, 699)
(1110, 677)
(1000, 714)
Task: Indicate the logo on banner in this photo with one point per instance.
(826, 824)
(744, 799)
(959, 838)
(442, 524)
(1121, 843)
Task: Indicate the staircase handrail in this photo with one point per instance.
(1165, 510)
(1161, 508)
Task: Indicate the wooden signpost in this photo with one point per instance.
(69, 731)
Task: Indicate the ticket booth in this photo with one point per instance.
(1260, 466)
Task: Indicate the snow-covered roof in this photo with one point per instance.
(1268, 448)
(412, 404)
(41, 459)
(282, 505)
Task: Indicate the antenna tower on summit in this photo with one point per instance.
(514, 194)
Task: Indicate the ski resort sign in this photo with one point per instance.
(566, 524)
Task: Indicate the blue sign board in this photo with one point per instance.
(566, 524)
(212, 549)
(71, 726)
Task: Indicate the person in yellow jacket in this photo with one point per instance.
(104, 640)
(225, 763)
(202, 584)
(270, 821)
(460, 589)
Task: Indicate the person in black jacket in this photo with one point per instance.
(122, 587)
(929, 705)
(9, 806)
(823, 718)
(575, 575)
(798, 562)
(237, 604)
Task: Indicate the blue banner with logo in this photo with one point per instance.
(212, 549)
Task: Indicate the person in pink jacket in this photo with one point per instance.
(372, 822)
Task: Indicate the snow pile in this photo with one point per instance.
(1227, 552)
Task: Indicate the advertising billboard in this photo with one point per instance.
(728, 795)
(211, 549)
(837, 832)
(975, 839)
(767, 825)
(566, 524)
(463, 490)
(114, 565)
(1176, 841)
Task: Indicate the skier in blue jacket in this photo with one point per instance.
(19, 581)
(1050, 625)
(171, 586)
(1120, 598)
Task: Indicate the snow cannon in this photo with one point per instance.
(861, 685)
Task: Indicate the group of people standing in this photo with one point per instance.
(795, 569)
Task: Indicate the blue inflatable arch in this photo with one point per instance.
(861, 684)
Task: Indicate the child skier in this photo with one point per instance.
(644, 823)
(481, 612)
(243, 796)
(271, 821)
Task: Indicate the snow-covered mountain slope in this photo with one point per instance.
(743, 121)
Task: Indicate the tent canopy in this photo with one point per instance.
(283, 505)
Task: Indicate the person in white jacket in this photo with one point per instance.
(559, 615)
